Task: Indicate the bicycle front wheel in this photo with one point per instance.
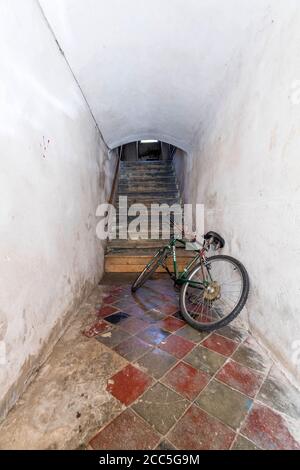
(150, 269)
(215, 293)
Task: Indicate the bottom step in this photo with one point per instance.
(134, 262)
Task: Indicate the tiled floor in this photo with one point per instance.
(182, 389)
(129, 373)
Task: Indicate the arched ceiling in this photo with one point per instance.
(149, 68)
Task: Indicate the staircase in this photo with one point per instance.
(143, 183)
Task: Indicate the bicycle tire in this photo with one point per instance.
(149, 269)
(235, 312)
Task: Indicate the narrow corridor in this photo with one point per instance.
(130, 374)
(192, 103)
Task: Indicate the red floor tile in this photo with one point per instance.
(110, 299)
(171, 324)
(106, 310)
(128, 384)
(126, 432)
(177, 346)
(241, 378)
(134, 325)
(269, 430)
(115, 290)
(96, 328)
(220, 344)
(186, 380)
(196, 430)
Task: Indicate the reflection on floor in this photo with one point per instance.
(130, 374)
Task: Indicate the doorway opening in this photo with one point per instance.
(147, 150)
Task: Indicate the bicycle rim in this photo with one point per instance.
(222, 296)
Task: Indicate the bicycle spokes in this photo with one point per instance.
(221, 291)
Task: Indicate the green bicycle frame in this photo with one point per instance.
(181, 278)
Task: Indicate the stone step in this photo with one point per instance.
(143, 176)
(127, 170)
(150, 187)
(141, 184)
(153, 170)
(153, 164)
(146, 211)
(134, 261)
(148, 204)
(148, 193)
(145, 230)
(162, 178)
(148, 171)
(168, 195)
(144, 217)
(130, 188)
(146, 237)
(146, 234)
(135, 244)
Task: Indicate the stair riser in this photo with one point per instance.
(146, 174)
(136, 244)
(148, 165)
(148, 203)
(153, 187)
(147, 198)
(142, 182)
(120, 223)
(156, 235)
(145, 189)
(147, 207)
(153, 169)
(154, 172)
(136, 265)
(151, 192)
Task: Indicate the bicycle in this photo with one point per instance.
(213, 290)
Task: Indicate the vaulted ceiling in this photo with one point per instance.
(150, 69)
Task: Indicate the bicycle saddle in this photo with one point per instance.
(217, 239)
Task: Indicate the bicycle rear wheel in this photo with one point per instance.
(150, 269)
(215, 294)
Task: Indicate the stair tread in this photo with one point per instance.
(145, 253)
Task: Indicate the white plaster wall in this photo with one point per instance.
(213, 78)
(150, 68)
(246, 170)
(54, 170)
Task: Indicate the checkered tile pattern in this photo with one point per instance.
(182, 389)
